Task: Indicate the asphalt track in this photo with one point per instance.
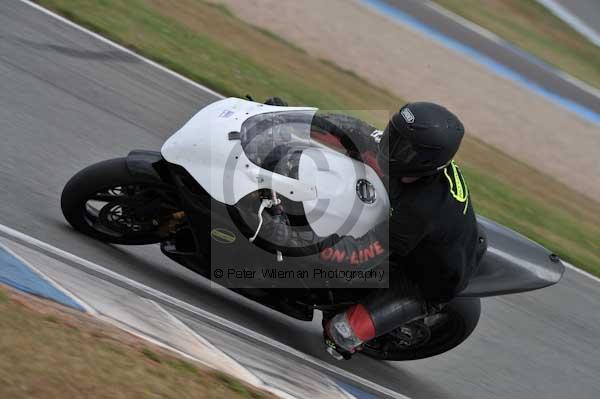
(586, 10)
(68, 100)
(515, 59)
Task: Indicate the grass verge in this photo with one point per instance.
(49, 351)
(533, 28)
(211, 45)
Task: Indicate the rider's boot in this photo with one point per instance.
(346, 332)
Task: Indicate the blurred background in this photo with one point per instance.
(533, 135)
(523, 75)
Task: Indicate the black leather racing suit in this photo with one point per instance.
(430, 240)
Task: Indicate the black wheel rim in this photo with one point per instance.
(442, 328)
(131, 210)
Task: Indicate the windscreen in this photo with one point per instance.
(274, 141)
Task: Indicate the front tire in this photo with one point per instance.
(458, 320)
(105, 201)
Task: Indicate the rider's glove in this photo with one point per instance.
(276, 229)
(276, 101)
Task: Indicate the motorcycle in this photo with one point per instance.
(205, 195)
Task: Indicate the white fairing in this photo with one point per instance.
(202, 147)
(326, 184)
(339, 209)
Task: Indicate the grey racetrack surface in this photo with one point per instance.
(533, 69)
(68, 100)
(586, 10)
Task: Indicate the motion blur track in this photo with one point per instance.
(496, 54)
(68, 99)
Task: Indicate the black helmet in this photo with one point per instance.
(420, 140)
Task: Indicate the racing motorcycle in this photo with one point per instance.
(205, 195)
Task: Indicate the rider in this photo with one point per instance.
(430, 240)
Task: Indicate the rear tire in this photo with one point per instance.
(103, 177)
(462, 316)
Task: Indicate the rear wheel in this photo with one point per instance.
(429, 337)
(107, 202)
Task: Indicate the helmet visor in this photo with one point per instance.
(395, 153)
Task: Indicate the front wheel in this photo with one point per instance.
(105, 201)
(432, 336)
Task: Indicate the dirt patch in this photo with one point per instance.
(393, 56)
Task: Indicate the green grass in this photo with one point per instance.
(49, 351)
(151, 355)
(533, 28)
(212, 46)
(550, 226)
(234, 385)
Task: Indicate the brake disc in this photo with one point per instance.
(120, 216)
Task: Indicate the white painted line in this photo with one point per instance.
(458, 19)
(582, 272)
(254, 380)
(89, 309)
(579, 83)
(156, 342)
(229, 325)
(132, 331)
(7, 230)
(124, 49)
(498, 40)
(572, 20)
(465, 22)
(248, 377)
